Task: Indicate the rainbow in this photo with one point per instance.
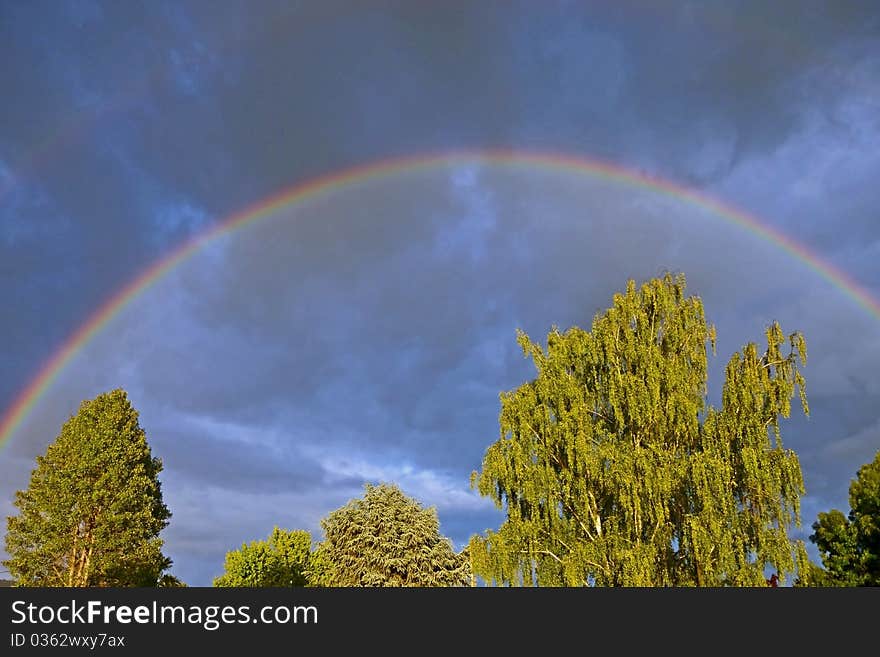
(28, 398)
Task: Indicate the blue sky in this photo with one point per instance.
(365, 335)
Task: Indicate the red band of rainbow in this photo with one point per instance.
(28, 397)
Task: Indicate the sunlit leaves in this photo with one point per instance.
(613, 470)
(281, 560)
(388, 539)
(92, 513)
(850, 545)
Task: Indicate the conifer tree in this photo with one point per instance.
(386, 538)
(92, 513)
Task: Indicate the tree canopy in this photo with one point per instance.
(613, 469)
(92, 513)
(386, 538)
(850, 545)
(280, 560)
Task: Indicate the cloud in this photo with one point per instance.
(375, 325)
(317, 350)
(177, 222)
(855, 443)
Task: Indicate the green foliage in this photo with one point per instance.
(92, 513)
(614, 471)
(171, 582)
(850, 545)
(281, 560)
(320, 570)
(387, 539)
(815, 576)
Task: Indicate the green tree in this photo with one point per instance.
(281, 560)
(320, 570)
(171, 582)
(92, 513)
(850, 545)
(388, 539)
(615, 471)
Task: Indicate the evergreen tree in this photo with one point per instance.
(169, 581)
(92, 513)
(388, 539)
(615, 471)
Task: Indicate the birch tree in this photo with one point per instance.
(613, 469)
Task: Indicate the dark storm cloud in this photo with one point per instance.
(400, 346)
(390, 369)
(236, 461)
(366, 335)
(686, 89)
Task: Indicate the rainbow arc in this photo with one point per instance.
(37, 387)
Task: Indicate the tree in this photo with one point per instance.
(281, 560)
(815, 576)
(388, 539)
(169, 581)
(615, 471)
(320, 570)
(92, 513)
(850, 545)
